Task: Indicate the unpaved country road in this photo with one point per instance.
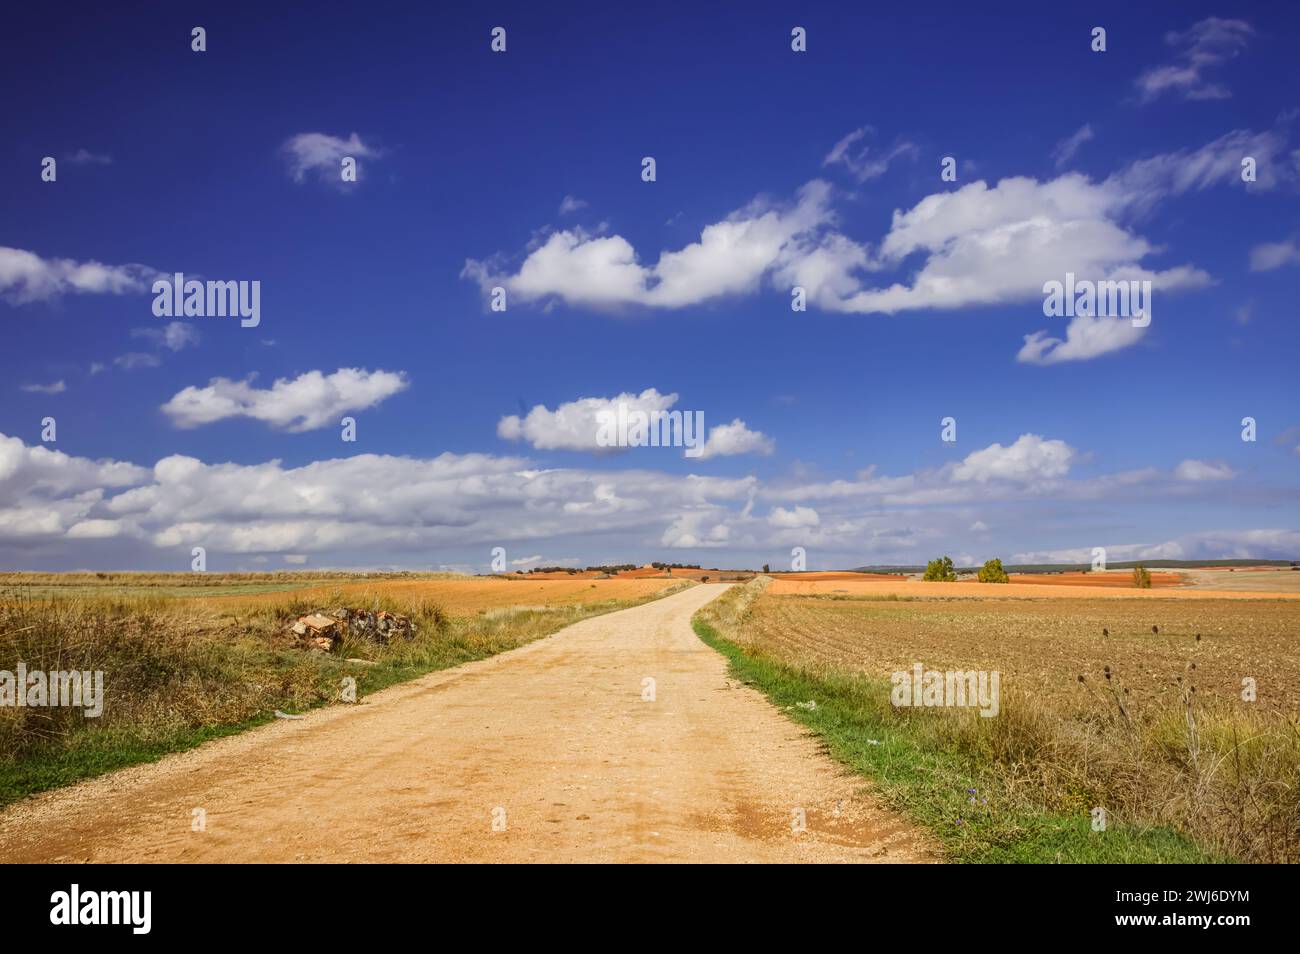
(555, 733)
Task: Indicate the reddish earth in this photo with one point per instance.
(843, 575)
(1109, 578)
(650, 573)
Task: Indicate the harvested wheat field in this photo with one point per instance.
(1120, 578)
(831, 576)
(1171, 710)
(466, 596)
(1250, 579)
(902, 588)
(1043, 646)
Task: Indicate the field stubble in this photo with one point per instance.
(1156, 732)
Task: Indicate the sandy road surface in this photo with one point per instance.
(555, 733)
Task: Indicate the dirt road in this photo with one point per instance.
(552, 741)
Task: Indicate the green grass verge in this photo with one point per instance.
(934, 788)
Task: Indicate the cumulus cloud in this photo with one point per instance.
(736, 438)
(730, 258)
(1085, 337)
(1202, 47)
(384, 510)
(979, 245)
(307, 402)
(322, 154)
(1030, 458)
(862, 162)
(26, 277)
(45, 492)
(576, 425)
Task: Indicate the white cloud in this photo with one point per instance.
(1085, 337)
(695, 530)
(1204, 45)
(576, 425)
(1255, 544)
(736, 438)
(861, 162)
(25, 471)
(54, 387)
(322, 154)
(992, 245)
(26, 277)
(1068, 147)
(730, 258)
(793, 519)
(383, 510)
(1196, 470)
(1138, 186)
(1271, 255)
(571, 203)
(978, 245)
(307, 402)
(1029, 459)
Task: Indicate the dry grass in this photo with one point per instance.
(462, 596)
(176, 669)
(1156, 732)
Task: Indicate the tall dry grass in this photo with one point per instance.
(173, 664)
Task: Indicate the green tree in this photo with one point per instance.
(941, 570)
(1141, 578)
(766, 568)
(992, 572)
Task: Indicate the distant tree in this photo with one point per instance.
(766, 568)
(704, 579)
(940, 570)
(1141, 578)
(992, 572)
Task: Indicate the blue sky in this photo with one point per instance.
(773, 168)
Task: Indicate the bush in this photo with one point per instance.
(992, 572)
(1141, 578)
(941, 570)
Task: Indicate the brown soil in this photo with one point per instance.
(1122, 578)
(555, 733)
